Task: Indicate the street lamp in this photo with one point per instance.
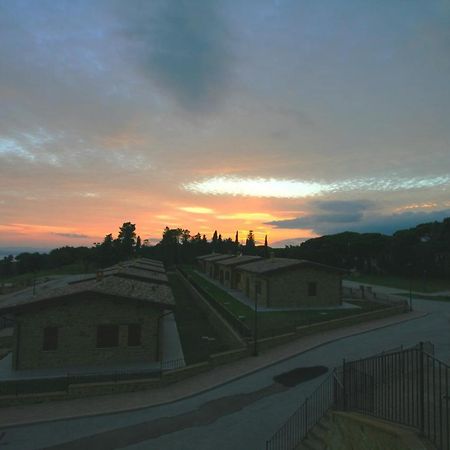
(410, 286)
(255, 349)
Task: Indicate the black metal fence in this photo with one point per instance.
(406, 386)
(61, 383)
(303, 420)
(409, 387)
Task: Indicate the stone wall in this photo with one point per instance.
(290, 288)
(327, 325)
(247, 286)
(77, 318)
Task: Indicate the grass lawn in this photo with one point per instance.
(233, 305)
(192, 324)
(276, 322)
(418, 284)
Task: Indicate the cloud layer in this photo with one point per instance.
(117, 111)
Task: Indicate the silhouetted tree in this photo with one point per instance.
(138, 245)
(250, 243)
(214, 241)
(126, 238)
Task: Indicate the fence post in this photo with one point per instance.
(306, 418)
(422, 391)
(335, 389)
(344, 387)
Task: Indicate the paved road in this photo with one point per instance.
(239, 415)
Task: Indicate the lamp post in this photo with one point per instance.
(410, 286)
(255, 349)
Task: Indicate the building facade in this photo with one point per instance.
(282, 282)
(229, 276)
(95, 323)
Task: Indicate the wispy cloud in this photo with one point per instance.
(283, 188)
(196, 209)
(72, 235)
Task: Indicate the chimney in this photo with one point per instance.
(99, 276)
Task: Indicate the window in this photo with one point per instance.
(312, 289)
(227, 275)
(238, 278)
(50, 341)
(134, 335)
(107, 336)
(258, 287)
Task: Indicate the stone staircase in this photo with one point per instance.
(341, 430)
(314, 440)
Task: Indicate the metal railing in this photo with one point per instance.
(61, 383)
(406, 386)
(306, 417)
(410, 387)
(172, 364)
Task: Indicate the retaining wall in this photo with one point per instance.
(223, 328)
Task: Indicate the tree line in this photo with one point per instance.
(176, 246)
(420, 251)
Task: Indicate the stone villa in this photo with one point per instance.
(111, 319)
(279, 282)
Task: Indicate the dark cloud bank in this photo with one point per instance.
(359, 216)
(181, 45)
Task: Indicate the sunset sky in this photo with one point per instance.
(293, 118)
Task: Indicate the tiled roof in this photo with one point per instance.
(150, 261)
(206, 256)
(268, 266)
(147, 268)
(137, 264)
(217, 257)
(237, 260)
(144, 275)
(159, 294)
(128, 272)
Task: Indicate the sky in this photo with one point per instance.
(291, 118)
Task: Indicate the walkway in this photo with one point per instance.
(394, 290)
